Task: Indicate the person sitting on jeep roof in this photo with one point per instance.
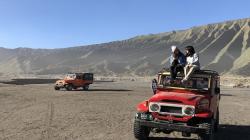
(193, 63)
(177, 62)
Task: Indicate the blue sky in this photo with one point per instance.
(68, 23)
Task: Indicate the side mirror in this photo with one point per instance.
(217, 90)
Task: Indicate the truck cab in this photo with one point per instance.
(190, 107)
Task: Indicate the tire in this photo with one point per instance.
(209, 135)
(140, 132)
(86, 87)
(57, 88)
(217, 122)
(69, 87)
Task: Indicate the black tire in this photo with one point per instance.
(57, 88)
(86, 87)
(140, 132)
(69, 87)
(217, 122)
(209, 135)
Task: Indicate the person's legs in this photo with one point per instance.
(186, 69)
(173, 72)
(179, 69)
(190, 71)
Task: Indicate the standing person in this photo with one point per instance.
(177, 62)
(154, 86)
(192, 62)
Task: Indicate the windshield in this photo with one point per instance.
(70, 76)
(198, 83)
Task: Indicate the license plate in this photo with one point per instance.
(146, 116)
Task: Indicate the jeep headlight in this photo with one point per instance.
(189, 111)
(154, 107)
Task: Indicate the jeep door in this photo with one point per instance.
(78, 81)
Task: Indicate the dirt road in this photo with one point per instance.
(106, 112)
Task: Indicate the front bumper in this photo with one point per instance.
(169, 125)
(172, 127)
(59, 85)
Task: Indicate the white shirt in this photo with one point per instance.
(193, 60)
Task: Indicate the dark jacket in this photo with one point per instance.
(181, 59)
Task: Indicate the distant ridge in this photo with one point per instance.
(224, 47)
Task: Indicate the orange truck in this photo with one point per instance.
(73, 81)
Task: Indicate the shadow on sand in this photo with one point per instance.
(226, 132)
(29, 81)
(162, 138)
(226, 95)
(234, 132)
(40, 81)
(117, 90)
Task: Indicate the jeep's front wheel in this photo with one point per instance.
(56, 88)
(69, 87)
(209, 135)
(140, 132)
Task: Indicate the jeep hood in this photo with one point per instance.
(187, 98)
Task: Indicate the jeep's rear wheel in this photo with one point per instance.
(140, 132)
(85, 87)
(56, 88)
(209, 135)
(69, 87)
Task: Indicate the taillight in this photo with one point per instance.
(203, 104)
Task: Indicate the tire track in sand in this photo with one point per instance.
(47, 132)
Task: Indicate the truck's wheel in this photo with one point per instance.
(69, 87)
(140, 132)
(86, 87)
(209, 135)
(56, 88)
(217, 122)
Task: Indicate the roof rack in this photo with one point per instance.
(208, 71)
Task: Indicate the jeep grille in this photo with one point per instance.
(171, 109)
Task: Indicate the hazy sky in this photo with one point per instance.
(68, 23)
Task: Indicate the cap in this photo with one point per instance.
(173, 48)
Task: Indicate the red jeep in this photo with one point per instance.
(74, 81)
(192, 107)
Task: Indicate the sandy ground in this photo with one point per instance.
(106, 112)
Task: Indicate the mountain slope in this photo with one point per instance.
(223, 47)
